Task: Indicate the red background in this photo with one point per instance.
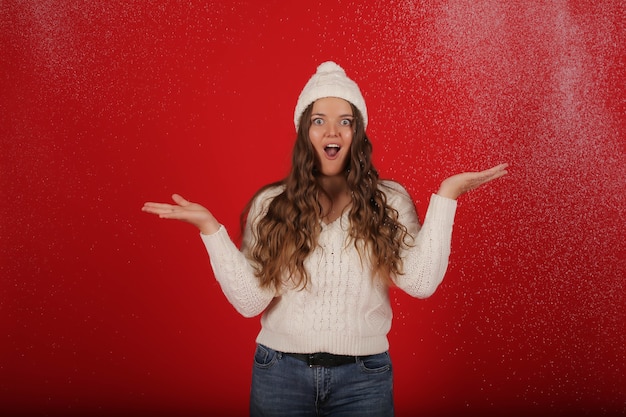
(106, 310)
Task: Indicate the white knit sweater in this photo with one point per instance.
(343, 310)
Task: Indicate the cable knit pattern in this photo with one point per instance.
(343, 310)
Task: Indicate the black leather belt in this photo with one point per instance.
(323, 359)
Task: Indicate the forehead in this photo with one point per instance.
(330, 105)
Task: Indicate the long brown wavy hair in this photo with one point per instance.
(288, 232)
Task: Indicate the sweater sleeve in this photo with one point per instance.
(426, 259)
(234, 271)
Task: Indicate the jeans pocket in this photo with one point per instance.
(264, 357)
(375, 364)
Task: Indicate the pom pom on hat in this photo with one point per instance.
(330, 80)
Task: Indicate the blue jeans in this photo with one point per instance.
(286, 386)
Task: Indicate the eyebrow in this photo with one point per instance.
(341, 116)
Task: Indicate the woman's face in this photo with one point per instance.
(331, 131)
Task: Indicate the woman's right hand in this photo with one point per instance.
(185, 211)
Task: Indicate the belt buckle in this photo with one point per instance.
(322, 359)
(312, 360)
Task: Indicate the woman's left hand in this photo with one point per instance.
(457, 185)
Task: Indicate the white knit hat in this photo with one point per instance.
(330, 80)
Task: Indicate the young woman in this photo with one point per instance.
(320, 250)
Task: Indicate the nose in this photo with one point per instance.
(332, 129)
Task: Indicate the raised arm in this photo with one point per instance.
(426, 262)
(232, 269)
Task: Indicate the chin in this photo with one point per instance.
(330, 171)
(331, 168)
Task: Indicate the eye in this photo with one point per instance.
(346, 122)
(318, 121)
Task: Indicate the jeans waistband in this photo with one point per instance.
(324, 359)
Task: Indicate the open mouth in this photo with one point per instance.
(332, 150)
